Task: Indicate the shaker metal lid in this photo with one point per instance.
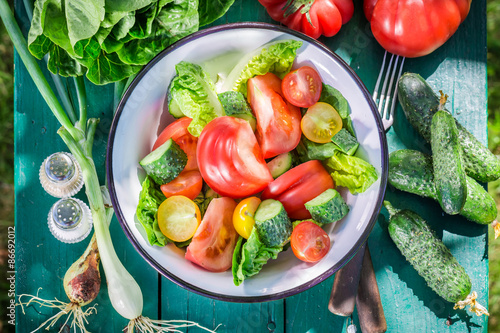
(70, 220)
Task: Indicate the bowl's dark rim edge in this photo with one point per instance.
(232, 298)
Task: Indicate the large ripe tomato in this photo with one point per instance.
(213, 243)
(314, 18)
(297, 186)
(230, 159)
(414, 28)
(309, 242)
(278, 122)
(179, 133)
(302, 87)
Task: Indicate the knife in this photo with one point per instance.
(355, 284)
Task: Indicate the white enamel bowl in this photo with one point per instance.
(141, 117)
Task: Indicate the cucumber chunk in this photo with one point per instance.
(165, 162)
(280, 164)
(235, 105)
(328, 207)
(272, 223)
(345, 141)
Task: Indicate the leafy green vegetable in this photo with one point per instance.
(109, 40)
(204, 198)
(194, 92)
(275, 57)
(332, 96)
(211, 10)
(150, 199)
(351, 172)
(309, 150)
(250, 257)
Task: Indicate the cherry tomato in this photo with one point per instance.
(309, 242)
(178, 218)
(414, 28)
(230, 159)
(188, 183)
(321, 122)
(278, 122)
(179, 133)
(213, 243)
(302, 87)
(297, 186)
(243, 216)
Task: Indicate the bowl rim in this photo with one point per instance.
(233, 298)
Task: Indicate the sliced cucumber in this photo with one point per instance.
(280, 164)
(173, 107)
(345, 141)
(272, 223)
(165, 162)
(327, 207)
(235, 105)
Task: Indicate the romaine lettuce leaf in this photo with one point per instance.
(276, 57)
(249, 257)
(351, 172)
(150, 199)
(194, 92)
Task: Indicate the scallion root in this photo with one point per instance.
(73, 311)
(147, 325)
(475, 307)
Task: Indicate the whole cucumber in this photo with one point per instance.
(429, 256)
(412, 171)
(449, 175)
(420, 103)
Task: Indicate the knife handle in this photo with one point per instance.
(345, 286)
(370, 311)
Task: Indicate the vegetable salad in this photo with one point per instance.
(251, 163)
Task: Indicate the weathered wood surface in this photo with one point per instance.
(458, 68)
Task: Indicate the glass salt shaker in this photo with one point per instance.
(70, 220)
(60, 175)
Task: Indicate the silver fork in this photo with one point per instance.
(384, 97)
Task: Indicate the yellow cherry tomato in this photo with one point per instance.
(178, 218)
(243, 216)
(321, 122)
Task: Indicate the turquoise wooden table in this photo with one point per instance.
(458, 68)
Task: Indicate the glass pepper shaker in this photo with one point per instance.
(70, 220)
(60, 175)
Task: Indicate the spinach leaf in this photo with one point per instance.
(83, 18)
(108, 67)
(211, 10)
(332, 96)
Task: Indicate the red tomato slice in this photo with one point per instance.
(297, 186)
(188, 183)
(302, 87)
(309, 242)
(179, 133)
(230, 159)
(278, 122)
(213, 243)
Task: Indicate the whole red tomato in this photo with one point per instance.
(414, 28)
(312, 17)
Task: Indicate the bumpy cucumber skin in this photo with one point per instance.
(411, 171)
(449, 175)
(420, 103)
(329, 211)
(429, 256)
(275, 231)
(168, 166)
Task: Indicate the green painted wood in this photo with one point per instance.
(459, 68)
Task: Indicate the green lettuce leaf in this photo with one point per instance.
(194, 92)
(211, 10)
(150, 199)
(251, 256)
(309, 150)
(351, 172)
(275, 57)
